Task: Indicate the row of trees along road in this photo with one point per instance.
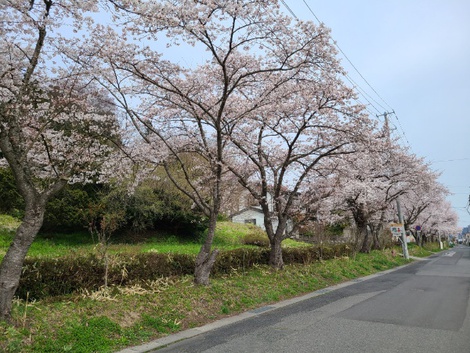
(96, 90)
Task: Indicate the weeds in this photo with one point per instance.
(8, 224)
(115, 317)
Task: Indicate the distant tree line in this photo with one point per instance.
(153, 206)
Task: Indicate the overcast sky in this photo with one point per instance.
(416, 55)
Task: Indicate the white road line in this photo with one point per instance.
(449, 254)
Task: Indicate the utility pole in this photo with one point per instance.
(404, 243)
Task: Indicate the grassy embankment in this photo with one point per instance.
(113, 318)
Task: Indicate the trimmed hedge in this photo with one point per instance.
(308, 255)
(240, 259)
(60, 276)
(43, 278)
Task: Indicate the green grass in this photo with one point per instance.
(426, 250)
(108, 320)
(118, 317)
(228, 233)
(8, 224)
(228, 237)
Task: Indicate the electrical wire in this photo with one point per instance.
(402, 130)
(346, 57)
(364, 94)
(353, 83)
(289, 9)
(356, 86)
(313, 13)
(452, 160)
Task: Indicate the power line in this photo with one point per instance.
(289, 9)
(364, 94)
(401, 128)
(344, 54)
(361, 91)
(451, 160)
(353, 83)
(368, 98)
(313, 13)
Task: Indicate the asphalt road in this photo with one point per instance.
(422, 307)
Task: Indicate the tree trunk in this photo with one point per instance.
(12, 264)
(206, 258)
(378, 242)
(275, 254)
(361, 220)
(423, 239)
(418, 239)
(375, 240)
(365, 248)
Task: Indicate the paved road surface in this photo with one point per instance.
(423, 307)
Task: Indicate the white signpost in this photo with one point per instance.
(398, 230)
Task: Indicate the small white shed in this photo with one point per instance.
(254, 215)
(250, 215)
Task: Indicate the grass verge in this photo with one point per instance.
(228, 236)
(108, 320)
(427, 250)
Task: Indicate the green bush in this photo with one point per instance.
(240, 259)
(67, 210)
(12, 202)
(151, 206)
(8, 224)
(255, 236)
(151, 266)
(306, 255)
(229, 233)
(60, 276)
(52, 277)
(258, 239)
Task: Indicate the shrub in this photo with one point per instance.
(51, 277)
(256, 239)
(66, 211)
(8, 224)
(306, 255)
(12, 202)
(159, 205)
(60, 276)
(240, 259)
(228, 233)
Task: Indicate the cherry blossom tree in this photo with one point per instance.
(55, 124)
(256, 64)
(423, 197)
(438, 218)
(363, 188)
(437, 221)
(371, 182)
(427, 194)
(283, 152)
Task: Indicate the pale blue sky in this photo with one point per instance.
(416, 56)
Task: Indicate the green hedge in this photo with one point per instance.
(240, 259)
(307, 255)
(53, 277)
(43, 278)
